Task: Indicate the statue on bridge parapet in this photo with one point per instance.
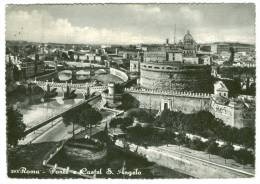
(69, 94)
(48, 93)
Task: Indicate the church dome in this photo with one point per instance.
(188, 37)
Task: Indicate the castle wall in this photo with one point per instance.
(176, 101)
(191, 60)
(223, 112)
(234, 115)
(119, 74)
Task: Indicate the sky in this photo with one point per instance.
(130, 23)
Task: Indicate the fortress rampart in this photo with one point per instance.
(167, 92)
(122, 75)
(234, 113)
(186, 102)
(175, 76)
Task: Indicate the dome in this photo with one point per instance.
(188, 37)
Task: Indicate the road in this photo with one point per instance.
(60, 132)
(56, 133)
(205, 156)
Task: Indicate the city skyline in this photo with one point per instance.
(130, 23)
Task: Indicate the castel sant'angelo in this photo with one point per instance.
(175, 67)
(178, 77)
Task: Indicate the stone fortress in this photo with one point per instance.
(175, 67)
(173, 77)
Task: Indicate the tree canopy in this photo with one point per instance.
(226, 151)
(212, 147)
(89, 117)
(203, 123)
(141, 115)
(15, 126)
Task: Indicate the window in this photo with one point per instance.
(156, 67)
(149, 66)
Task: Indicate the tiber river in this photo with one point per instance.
(34, 114)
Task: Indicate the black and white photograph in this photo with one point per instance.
(130, 91)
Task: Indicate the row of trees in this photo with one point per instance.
(226, 151)
(203, 123)
(84, 115)
(153, 137)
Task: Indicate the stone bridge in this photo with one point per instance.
(84, 89)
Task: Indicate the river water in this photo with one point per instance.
(33, 114)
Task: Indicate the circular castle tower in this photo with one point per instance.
(175, 68)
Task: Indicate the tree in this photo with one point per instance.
(243, 156)
(129, 102)
(142, 115)
(226, 151)
(165, 118)
(113, 123)
(247, 137)
(180, 139)
(72, 116)
(169, 136)
(125, 122)
(197, 144)
(135, 133)
(15, 126)
(89, 117)
(212, 147)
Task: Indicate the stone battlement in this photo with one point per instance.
(121, 74)
(98, 88)
(56, 84)
(168, 92)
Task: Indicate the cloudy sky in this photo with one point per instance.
(130, 24)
